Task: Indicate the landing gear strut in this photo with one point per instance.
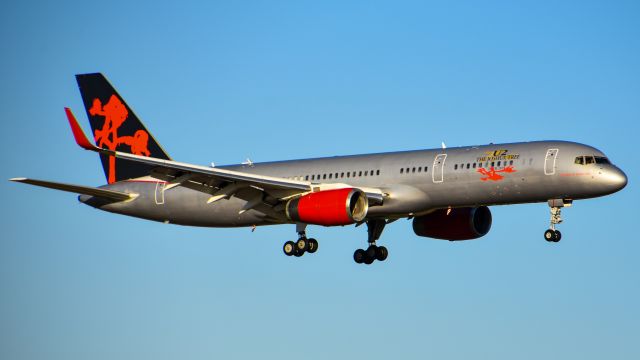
(556, 205)
(303, 244)
(373, 252)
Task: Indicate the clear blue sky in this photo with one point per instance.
(222, 81)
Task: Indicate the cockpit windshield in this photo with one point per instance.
(588, 159)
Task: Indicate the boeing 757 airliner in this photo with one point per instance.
(445, 191)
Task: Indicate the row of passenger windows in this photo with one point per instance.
(582, 160)
(479, 165)
(340, 175)
(413, 170)
(585, 160)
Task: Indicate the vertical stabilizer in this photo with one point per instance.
(115, 126)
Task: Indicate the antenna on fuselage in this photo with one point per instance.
(248, 162)
(444, 146)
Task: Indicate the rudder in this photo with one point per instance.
(115, 126)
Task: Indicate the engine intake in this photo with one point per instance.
(329, 207)
(461, 223)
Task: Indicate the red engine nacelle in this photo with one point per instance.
(460, 224)
(329, 207)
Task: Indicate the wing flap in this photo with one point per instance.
(78, 189)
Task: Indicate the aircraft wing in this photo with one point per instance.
(220, 183)
(79, 189)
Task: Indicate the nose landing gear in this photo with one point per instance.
(556, 205)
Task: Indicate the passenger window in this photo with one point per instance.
(365, 173)
(324, 176)
(330, 176)
(378, 172)
(474, 165)
(360, 173)
(499, 163)
(341, 175)
(468, 165)
(455, 167)
(511, 162)
(493, 163)
(426, 168)
(348, 173)
(313, 177)
(401, 170)
(306, 178)
(413, 170)
(336, 175)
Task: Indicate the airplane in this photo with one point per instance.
(446, 192)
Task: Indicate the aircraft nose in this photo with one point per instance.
(616, 179)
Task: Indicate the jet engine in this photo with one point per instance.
(329, 207)
(460, 224)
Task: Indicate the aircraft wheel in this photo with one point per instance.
(289, 248)
(372, 251)
(368, 259)
(558, 235)
(313, 246)
(550, 235)
(381, 253)
(302, 245)
(358, 256)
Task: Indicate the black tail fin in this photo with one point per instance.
(115, 126)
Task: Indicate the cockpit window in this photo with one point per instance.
(585, 160)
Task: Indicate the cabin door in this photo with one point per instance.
(438, 168)
(159, 193)
(550, 162)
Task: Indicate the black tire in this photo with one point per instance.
(298, 253)
(372, 250)
(358, 256)
(313, 245)
(367, 259)
(302, 245)
(558, 236)
(381, 253)
(370, 254)
(550, 235)
(289, 248)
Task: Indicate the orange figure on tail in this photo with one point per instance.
(115, 114)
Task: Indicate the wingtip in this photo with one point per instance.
(78, 133)
(18, 179)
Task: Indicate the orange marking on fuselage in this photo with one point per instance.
(115, 114)
(493, 174)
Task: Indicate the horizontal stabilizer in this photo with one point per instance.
(78, 189)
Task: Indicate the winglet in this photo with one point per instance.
(78, 133)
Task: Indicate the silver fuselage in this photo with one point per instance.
(413, 182)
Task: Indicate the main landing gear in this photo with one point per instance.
(303, 244)
(373, 252)
(556, 205)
